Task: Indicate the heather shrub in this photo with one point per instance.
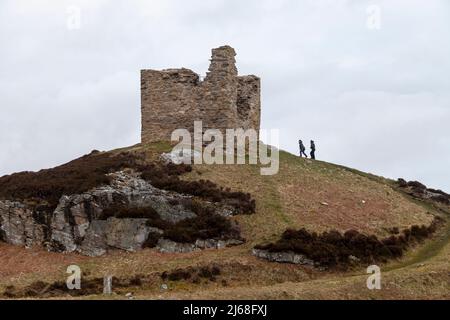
(438, 192)
(424, 192)
(194, 274)
(334, 249)
(74, 177)
(177, 275)
(402, 183)
(201, 227)
(167, 178)
(445, 199)
(416, 185)
(205, 225)
(45, 187)
(394, 230)
(152, 240)
(122, 212)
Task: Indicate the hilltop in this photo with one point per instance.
(314, 195)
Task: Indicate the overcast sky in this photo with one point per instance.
(369, 81)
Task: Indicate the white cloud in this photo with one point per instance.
(377, 100)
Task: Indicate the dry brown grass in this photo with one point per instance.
(317, 196)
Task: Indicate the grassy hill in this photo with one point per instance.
(314, 195)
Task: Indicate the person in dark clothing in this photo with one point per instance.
(302, 149)
(313, 150)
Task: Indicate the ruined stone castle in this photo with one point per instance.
(174, 98)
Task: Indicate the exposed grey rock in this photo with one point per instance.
(419, 190)
(75, 226)
(207, 244)
(437, 195)
(70, 221)
(283, 257)
(18, 226)
(126, 234)
(353, 258)
(167, 211)
(225, 210)
(217, 244)
(69, 225)
(169, 246)
(138, 192)
(185, 156)
(94, 243)
(72, 218)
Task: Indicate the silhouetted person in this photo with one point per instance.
(313, 150)
(302, 148)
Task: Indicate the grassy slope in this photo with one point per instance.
(293, 198)
(318, 196)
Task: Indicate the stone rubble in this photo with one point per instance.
(283, 257)
(419, 190)
(185, 156)
(169, 246)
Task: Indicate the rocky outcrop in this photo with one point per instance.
(419, 190)
(94, 243)
(19, 224)
(125, 234)
(74, 214)
(283, 257)
(169, 246)
(75, 224)
(185, 156)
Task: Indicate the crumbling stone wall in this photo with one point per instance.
(174, 98)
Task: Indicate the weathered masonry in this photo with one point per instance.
(174, 98)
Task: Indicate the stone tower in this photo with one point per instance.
(174, 98)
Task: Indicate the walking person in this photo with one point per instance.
(313, 150)
(302, 149)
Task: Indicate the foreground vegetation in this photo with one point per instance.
(333, 249)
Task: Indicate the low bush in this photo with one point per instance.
(334, 249)
(194, 274)
(201, 227)
(152, 240)
(442, 193)
(442, 199)
(122, 212)
(209, 272)
(205, 225)
(423, 192)
(178, 274)
(45, 187)
(394, 230)
(40, 289)
(416, 185)
(167, 178)
(77, 176)
(402, 182)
